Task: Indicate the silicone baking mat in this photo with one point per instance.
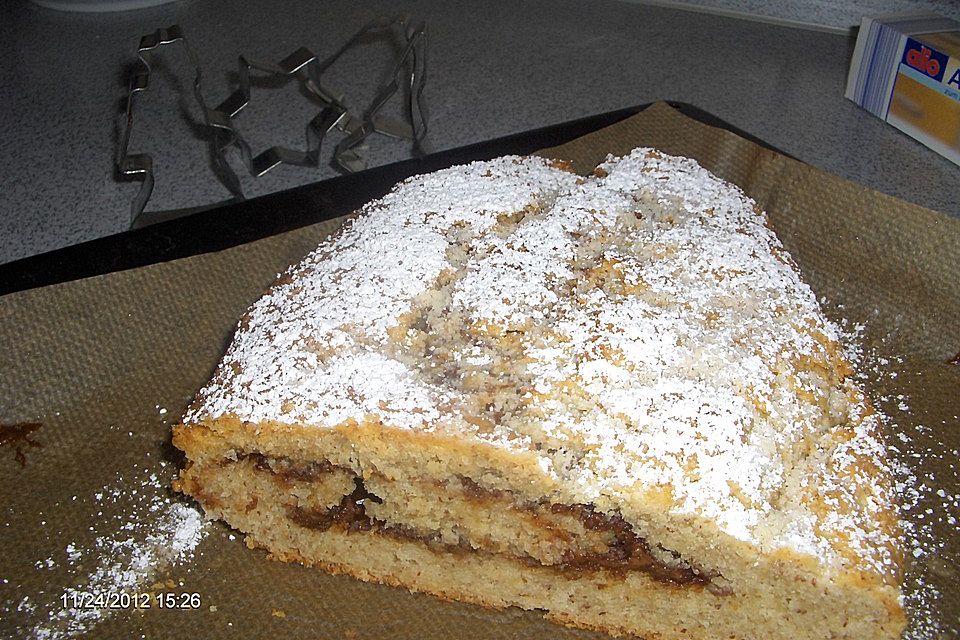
(95, 371)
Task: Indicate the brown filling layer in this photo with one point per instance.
(627, 551)
(291, 470)
(350, 514)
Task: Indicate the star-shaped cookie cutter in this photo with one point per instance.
(409, 72)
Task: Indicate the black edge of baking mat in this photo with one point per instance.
(222, 227)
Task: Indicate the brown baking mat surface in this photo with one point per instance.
(94, 372)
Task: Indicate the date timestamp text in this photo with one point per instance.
(80, 600)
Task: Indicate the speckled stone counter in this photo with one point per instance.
(495, 68)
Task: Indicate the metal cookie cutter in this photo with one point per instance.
(334, 111)
(140, 165)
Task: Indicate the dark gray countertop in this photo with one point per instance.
(495, 68)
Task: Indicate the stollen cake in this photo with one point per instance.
(609, 398)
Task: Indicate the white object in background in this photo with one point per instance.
(906, 71)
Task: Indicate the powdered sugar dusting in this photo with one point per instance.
(665, 337)
(351, 290)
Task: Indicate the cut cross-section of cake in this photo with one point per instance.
(610, 398)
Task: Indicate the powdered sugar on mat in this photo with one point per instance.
(152, 534)
(925, 507)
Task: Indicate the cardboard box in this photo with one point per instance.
(906, 70)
